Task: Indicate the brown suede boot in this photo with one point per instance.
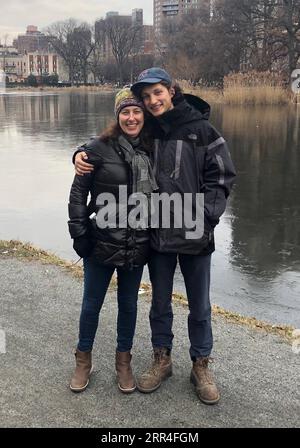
(83, 370)
(160, 370)
(125, 378)
(202, 379)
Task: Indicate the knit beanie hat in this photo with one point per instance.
(125, 98)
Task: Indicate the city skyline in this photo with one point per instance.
(42, 13)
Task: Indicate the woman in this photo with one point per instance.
(120, 158)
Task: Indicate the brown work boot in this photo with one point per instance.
(202, 379)
(83, 370)
(125, 378)
(160, 370)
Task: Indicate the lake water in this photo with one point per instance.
(256, 268)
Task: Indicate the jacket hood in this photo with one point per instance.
(199, 104)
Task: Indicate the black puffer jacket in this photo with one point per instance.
(190, 156)
(125, 247)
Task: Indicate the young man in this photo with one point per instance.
(190, 157)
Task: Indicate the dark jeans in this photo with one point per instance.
(196, 273)
(96, 281)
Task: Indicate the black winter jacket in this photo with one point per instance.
(120, 247)
(190, 156)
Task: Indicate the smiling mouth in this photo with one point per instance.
(154, 108)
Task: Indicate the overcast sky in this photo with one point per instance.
(15, 15)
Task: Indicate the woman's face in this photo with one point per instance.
(131, 120)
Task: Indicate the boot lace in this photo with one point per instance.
(155, 367)
(201, 369)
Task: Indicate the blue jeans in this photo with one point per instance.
(96, 281)
(196, 273)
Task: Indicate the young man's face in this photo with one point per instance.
(157, 99)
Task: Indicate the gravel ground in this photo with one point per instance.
(258, 373)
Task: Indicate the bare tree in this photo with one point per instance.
(274, 38)
(96, 62)
(84, 41)
(194, 49)
(61, 36)
(121, 34)
(287, 37)
(240, 35)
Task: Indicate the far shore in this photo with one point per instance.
(235, 96)
(107, 89)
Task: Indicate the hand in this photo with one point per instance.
(83, 246)
(82, 167)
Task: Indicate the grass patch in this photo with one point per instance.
(256, 96)
(209, 94)
(256, 88)
(242, 89)
(284, 331)
(28, 252)
(72, 89)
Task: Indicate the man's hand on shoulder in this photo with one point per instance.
(81, 166)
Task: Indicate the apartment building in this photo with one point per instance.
(137, 20)
(148, 39)
(170, 9)
(33, 40)
(144, 38)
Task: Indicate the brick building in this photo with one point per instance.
(33, 40)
